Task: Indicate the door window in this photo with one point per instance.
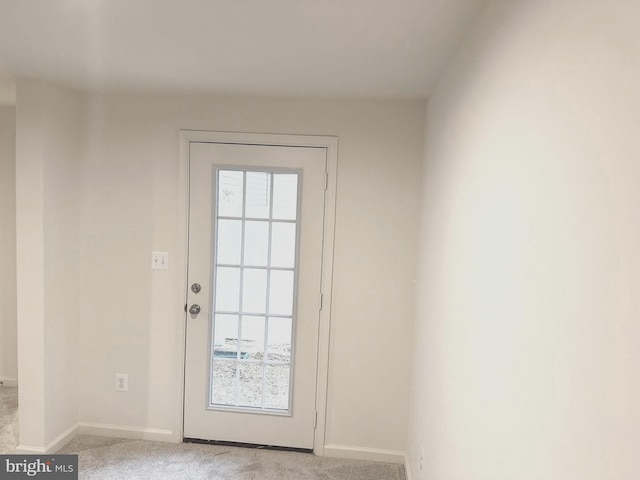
(255, 228)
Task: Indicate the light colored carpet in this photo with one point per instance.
(116, 458)
(103, 458)
(8, 419)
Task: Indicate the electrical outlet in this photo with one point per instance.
(122, 382)
(160, 260)
(421, 456)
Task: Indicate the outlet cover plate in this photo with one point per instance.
(160, 260)
(122, 382)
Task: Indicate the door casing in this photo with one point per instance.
(330, 143)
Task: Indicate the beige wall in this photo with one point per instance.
(129, 315)
(527, 355)
(8, 322)
(48, 153)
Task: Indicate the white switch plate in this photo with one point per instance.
(160, 260)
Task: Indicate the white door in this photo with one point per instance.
(254, 273)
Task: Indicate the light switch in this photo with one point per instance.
(160, 260)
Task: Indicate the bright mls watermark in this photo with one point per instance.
(51, 467)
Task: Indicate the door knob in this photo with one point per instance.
(194, 309)
(195, 288)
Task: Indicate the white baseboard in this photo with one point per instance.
(62, 439)
(29, 450)
(123, 431)
(54, 445)
(362, 453)
(9, 382)
(407, 468)
(102, 430)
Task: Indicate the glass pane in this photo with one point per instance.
(276, 393)
(225, 337)
(256, 243)
(285, 196)
(227, 289)
(257, 231)
(223, 391)
(252, 340)
(281, 292)
(258, 194)
(283, 244)
(230, 190)
(279, 340)
(250, 382)
(254, 291)
(229, 241)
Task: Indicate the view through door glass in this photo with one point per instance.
(253, 308)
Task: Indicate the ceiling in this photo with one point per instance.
(355, 48)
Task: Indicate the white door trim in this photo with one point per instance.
(331, 145)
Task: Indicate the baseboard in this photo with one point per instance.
(362, 453)
(29, 450)
(9, 382)
(123, 431)
(407, 468)
(54, 445)
(102, 430)
(62, 439)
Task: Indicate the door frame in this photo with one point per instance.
(330, 143)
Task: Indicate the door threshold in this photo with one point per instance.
(257, 446)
